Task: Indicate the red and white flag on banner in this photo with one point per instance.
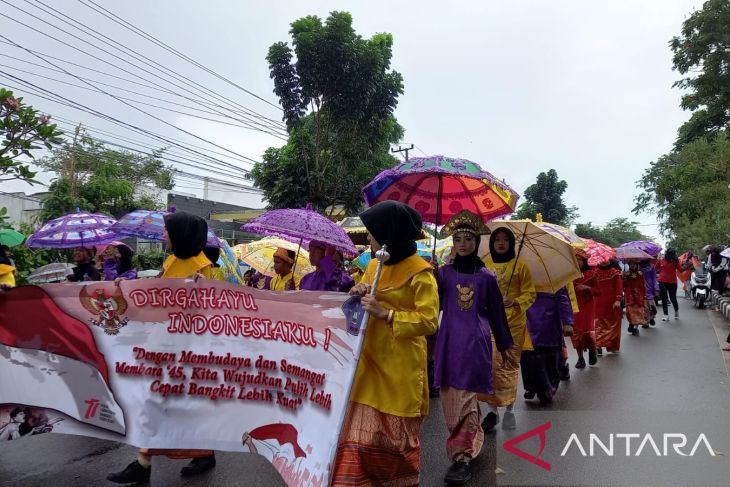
(50, 359)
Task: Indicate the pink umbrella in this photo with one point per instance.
(598, 253)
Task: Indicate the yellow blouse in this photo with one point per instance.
(391, 376)
(573, 298)
(7, 275)
(187, 268)
(278, 283)
(521, 291)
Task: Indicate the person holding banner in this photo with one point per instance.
(185, 235)
(7, 270)
(284, 280)
(85, 269)
(328, 276)
(472, 305)
(518, 290)
(379, 442)
(117, 262)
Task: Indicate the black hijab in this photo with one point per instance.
(468, 264)
(4, 259)
(396, 225)
(502, 258)
(125, 258)
(213, 254)
(188, 234)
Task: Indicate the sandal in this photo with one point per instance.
(726, 349)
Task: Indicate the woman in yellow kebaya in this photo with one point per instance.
(379, 443)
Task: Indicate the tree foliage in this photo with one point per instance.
(22, 129)
(702, 55)
(688, 187)
(613, 234)
(689, 190)
(338, 93)
(27, 260)
(92, 177)
(546, 197)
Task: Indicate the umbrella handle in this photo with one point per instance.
(382, 255)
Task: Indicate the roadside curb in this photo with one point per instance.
(723, 302)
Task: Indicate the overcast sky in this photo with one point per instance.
(580, 86)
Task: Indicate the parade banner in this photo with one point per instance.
(178, 363)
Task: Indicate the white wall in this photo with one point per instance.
(22, 208)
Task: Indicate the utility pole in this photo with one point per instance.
(69, 165)
(402, 149)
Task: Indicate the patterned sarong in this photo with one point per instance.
(376, 448)
(463, 419)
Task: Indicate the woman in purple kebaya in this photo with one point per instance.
(472, 311)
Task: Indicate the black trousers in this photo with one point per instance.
(669, 290)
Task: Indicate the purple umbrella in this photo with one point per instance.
(150, 224)
(632, 253)
(303, 225)
(74, 230)
(650, 248)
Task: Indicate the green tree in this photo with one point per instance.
(546, 197)
(703, 50)
(92, 177)
(588, 230)
(613, 234)
(23, 129)
(689, 191)
(338, 98)
(27, 260)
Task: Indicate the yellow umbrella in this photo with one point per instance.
(355, 229)
(562, 232)
(549, 257)
(260, 255)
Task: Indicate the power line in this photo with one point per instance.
(420, 150)
(143, 111)
(133, 141)
(156, 41)
(220, 182)
(136, 55)
(92, 111)
(37, 54)
(196, 164)
(193, 115)
(190, 163)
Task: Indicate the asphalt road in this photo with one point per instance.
(671, 379)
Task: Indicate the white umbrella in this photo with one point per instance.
(55, 272)
(148, 273)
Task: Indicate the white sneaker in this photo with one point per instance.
(666, 318)
(676, 315)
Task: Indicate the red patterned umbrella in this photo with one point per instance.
(598, 253)
(440, 187)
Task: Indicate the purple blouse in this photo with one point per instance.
(463, 351)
